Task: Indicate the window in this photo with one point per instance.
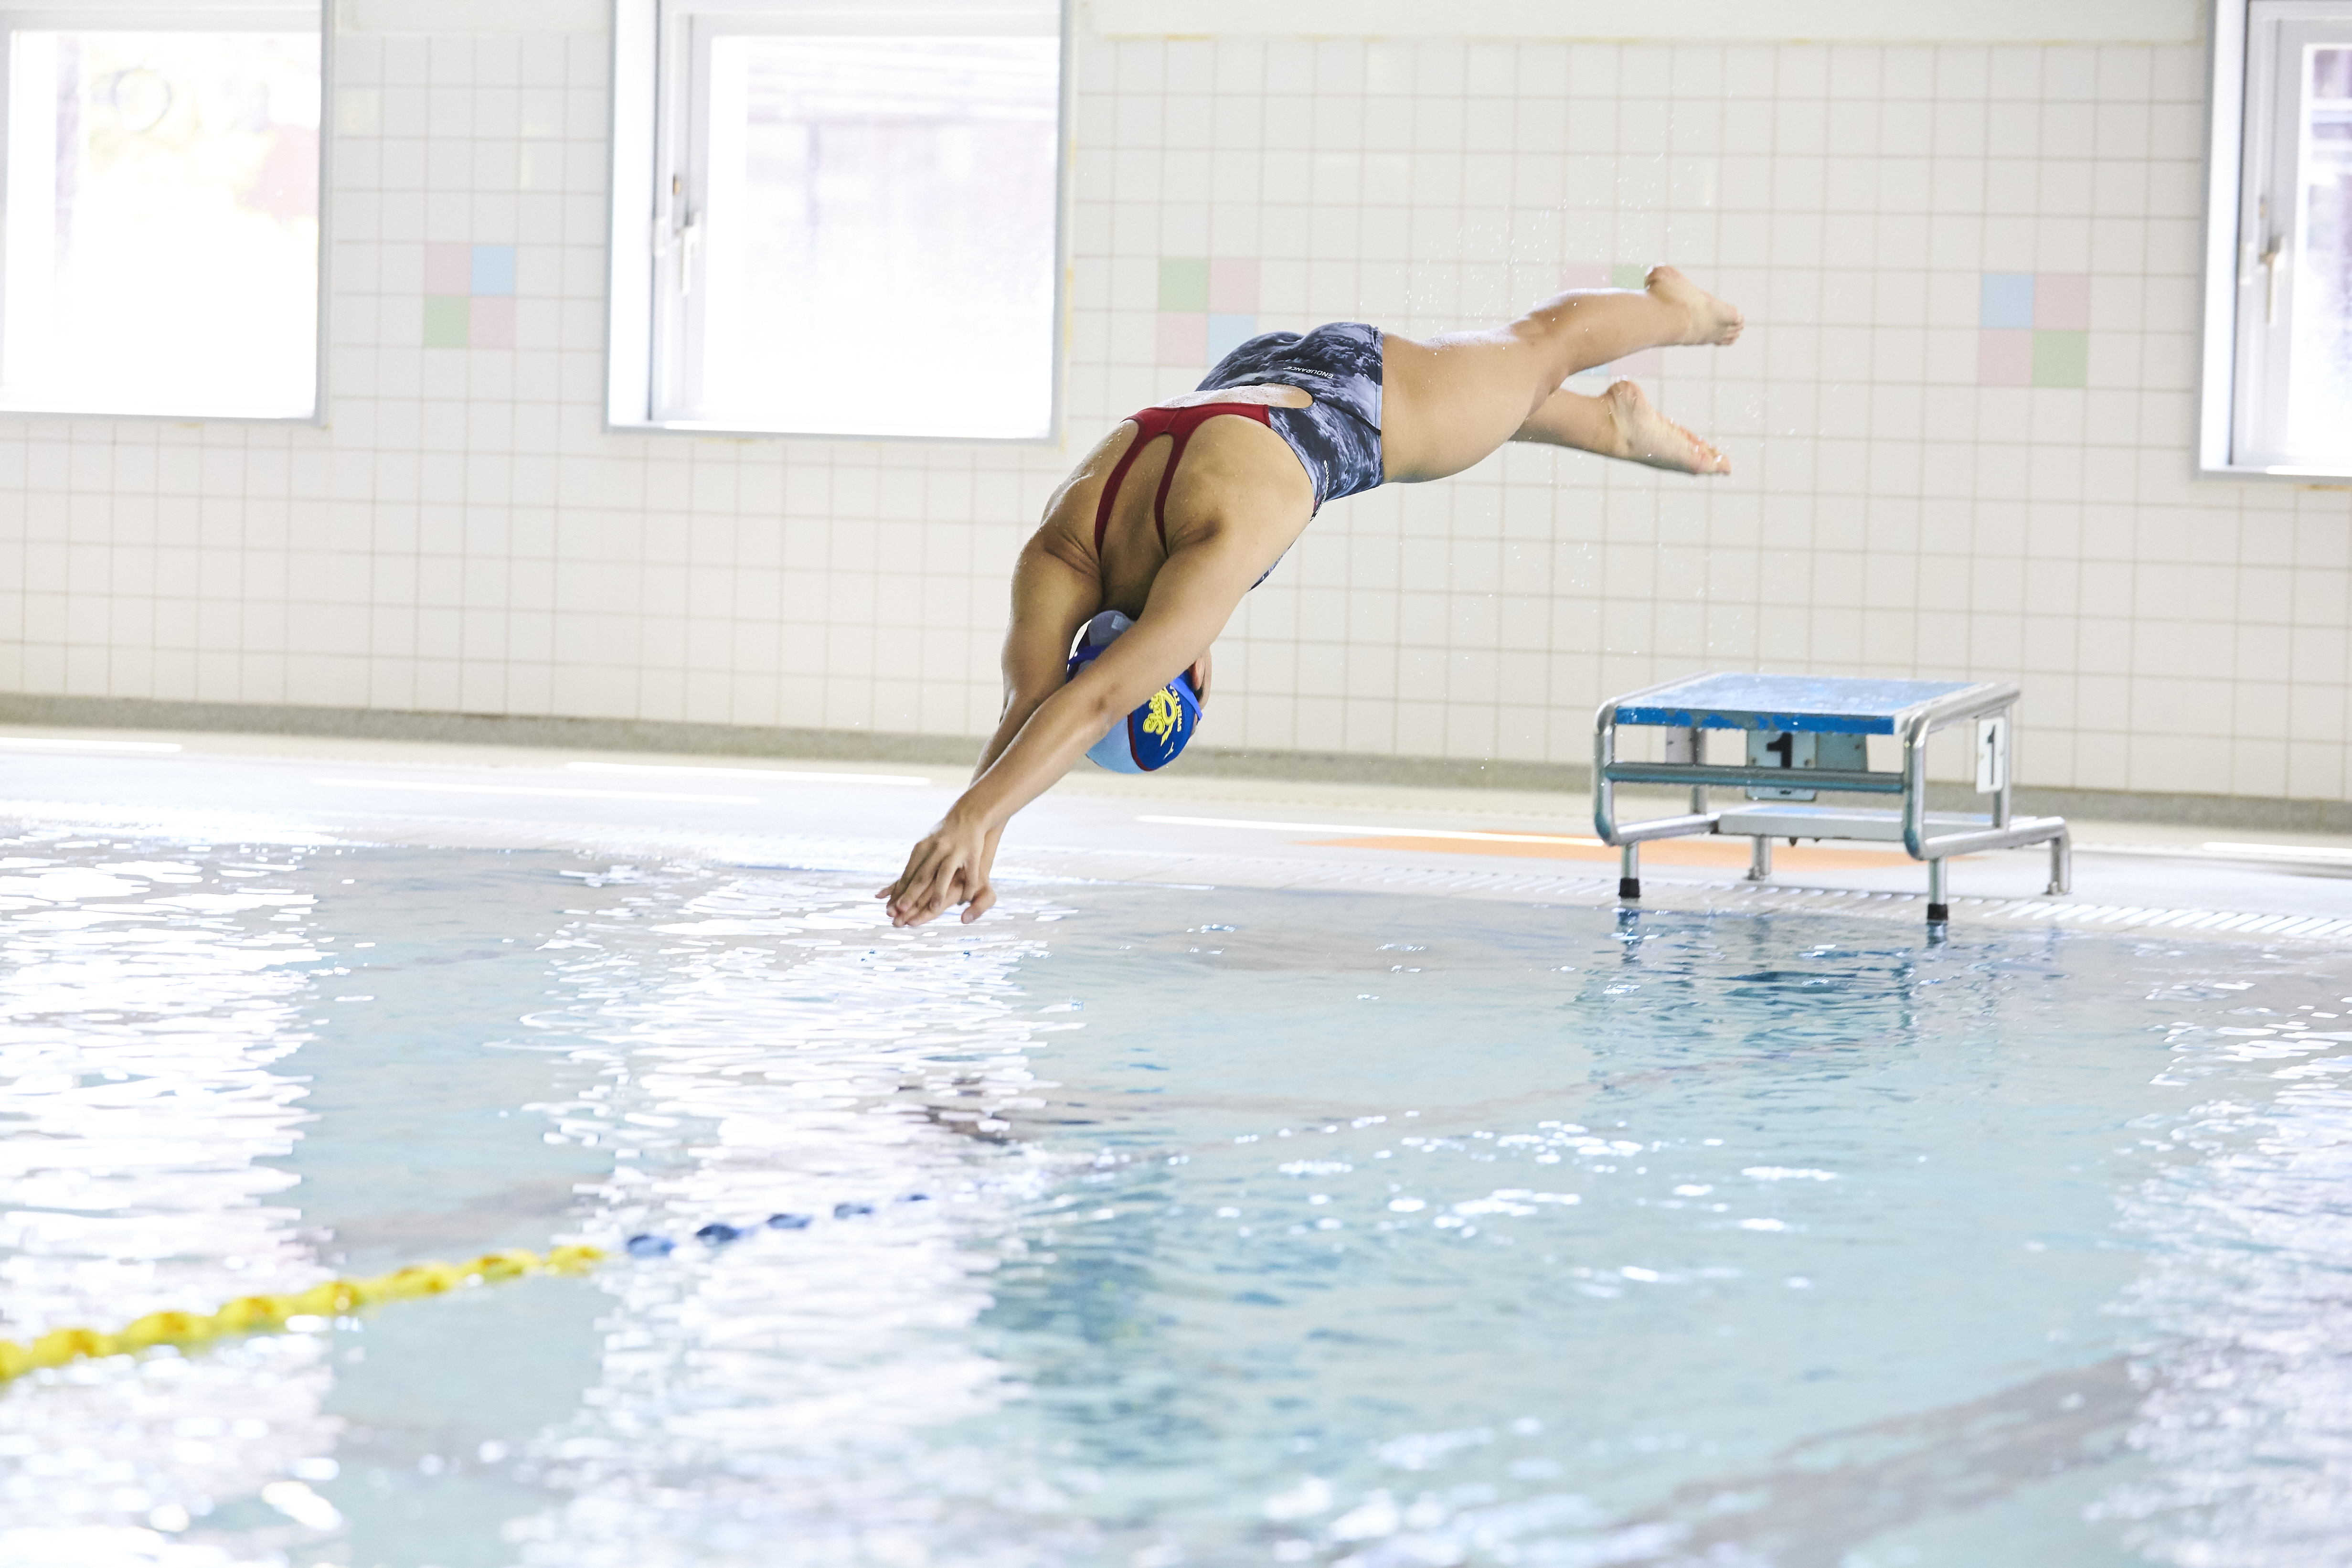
(837, 221)
(161, 247)
(2278, 311)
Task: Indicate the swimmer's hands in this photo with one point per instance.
(949, 866)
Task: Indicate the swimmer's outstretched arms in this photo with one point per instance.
(1188, 505)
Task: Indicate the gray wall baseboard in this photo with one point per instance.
(485, 728)
(867, 746)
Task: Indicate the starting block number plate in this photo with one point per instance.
(1992, 754)
(1801, 750)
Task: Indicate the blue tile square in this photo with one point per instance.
(1227, 333)
(494, 270)
(2007, 303)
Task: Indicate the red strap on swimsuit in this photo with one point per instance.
(1150, 425)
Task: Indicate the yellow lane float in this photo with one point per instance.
(270, 1314)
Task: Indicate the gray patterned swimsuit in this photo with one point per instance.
(1337, 437)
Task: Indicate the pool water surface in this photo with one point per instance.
(1155, 1227)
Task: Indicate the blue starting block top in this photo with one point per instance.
(1825, 704)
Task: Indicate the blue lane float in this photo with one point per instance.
(719, 1233)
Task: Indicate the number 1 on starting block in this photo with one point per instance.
(1992, 754)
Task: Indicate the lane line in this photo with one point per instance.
(300, 1312)
(2283, 852)
(430, 787)
(72, 744)
(908, 781)
(1731, 842)
(1360, 831)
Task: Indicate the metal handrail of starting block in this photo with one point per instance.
(1799, 719)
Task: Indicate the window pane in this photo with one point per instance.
(879, 224)
(2319, 398)
(163, 223)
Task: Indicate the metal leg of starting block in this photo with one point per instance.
(1939, 912)
(2062, 864)
(1629, 871)
(1759, 859)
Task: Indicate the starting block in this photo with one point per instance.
(1808, 735)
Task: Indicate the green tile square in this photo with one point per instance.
(1183, 282)
(444, 320)
(2061, 358)
(1627, 276)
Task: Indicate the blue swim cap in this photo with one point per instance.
(1153, 735)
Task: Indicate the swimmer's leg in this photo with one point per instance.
(1621, 422)
(1450, 401)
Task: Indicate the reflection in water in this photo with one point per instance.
(146, 1003)
(780, 1052)
(1373, 1232)
(2247, 1301)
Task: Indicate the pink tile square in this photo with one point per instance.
(1585, 274)
(2061, 300)
(1232, 287)
(1647, 365)
(448, 268)
(492, 326)
(2004, 357)
(1183, 337)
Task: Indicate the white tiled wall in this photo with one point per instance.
(463, 536)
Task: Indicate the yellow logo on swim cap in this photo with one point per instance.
(1167, 716)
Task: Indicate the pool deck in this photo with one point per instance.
(1196, 831)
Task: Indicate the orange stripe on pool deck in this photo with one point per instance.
(1706, 851)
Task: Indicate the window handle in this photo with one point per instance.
(678, 226)
(666, 225)
(2274, 261)
(683, 237)
(690, 240)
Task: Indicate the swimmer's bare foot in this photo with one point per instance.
(1646, 436)
(1712, 320)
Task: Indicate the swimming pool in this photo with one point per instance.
(1156, 1226)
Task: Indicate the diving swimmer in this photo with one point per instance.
(1189, 504)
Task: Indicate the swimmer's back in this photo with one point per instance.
(1235, 472)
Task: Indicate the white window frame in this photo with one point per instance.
(2241, 375)
(193, 16)
(655, 61)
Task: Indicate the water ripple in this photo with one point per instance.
(1669, 1240)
